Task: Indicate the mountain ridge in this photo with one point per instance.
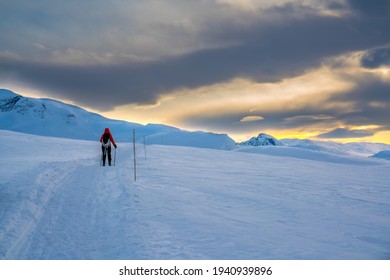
(49, 117)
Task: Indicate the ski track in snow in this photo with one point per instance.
(189, 203)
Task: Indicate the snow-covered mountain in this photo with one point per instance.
(47, 117)
(262, 139)
(354, 148)
(267, 144)
(383, 154)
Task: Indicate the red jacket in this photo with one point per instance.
(107, 135)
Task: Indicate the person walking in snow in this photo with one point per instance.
(106, 140)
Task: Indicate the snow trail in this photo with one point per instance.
(29, 204)
(80, 210)
(88, 217)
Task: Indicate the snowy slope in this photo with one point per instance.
(49, 117)
(56, 202)
(383, 154)
(363, 149)
(307, 154)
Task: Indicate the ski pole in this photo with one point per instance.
(101, 158)
(114, 156)
(104, 155)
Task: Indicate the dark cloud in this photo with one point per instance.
(376, 8)
(376, 57)
(264, 52)
(370, 101)
(333, 5)
(346, 133)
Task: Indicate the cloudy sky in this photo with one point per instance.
(304, 68)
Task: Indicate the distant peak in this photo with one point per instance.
(265, 135)
(263, 139)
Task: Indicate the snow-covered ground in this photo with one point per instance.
(56, 202)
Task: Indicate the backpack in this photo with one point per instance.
(106, 140)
